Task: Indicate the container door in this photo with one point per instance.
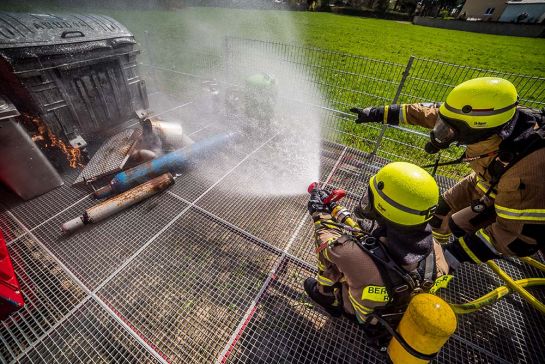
(99, 95)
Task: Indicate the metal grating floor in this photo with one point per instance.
(203, 273)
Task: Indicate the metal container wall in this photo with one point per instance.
(77, 72)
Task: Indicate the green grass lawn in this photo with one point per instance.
(383, 39)
(176, 39)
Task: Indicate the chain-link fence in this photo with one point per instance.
(332, 82)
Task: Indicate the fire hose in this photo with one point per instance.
(511, 286)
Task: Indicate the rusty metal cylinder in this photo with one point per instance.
(120, 202)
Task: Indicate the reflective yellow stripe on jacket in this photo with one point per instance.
(484, 186)
(360, 310)
(441, 236)
(524, 214)
(403, 114)
(321, 266)
(324, 281)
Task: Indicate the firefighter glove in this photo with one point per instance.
(315, 203)
(367, 115)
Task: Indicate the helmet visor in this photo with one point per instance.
(365, 209)
(443, 134)
(460, 132)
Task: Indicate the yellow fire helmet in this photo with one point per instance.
(481, 103)
(403, 193)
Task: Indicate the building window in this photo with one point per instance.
(489, 11)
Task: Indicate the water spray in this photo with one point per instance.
(169, 162)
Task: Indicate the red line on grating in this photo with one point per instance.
(272, 276)
(239, 334)
(137, 332)
(104, 305)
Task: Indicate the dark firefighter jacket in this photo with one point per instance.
(518, 227)
(354, 274)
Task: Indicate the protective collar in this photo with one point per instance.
(406, 246)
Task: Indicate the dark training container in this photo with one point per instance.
(77, 72)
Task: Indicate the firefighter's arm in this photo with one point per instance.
(409, 114)
(325, 233)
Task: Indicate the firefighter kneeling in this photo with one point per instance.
(499, 209)
(372, 276)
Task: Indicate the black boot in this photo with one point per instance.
(311, 288)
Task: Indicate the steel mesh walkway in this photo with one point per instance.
(203, 273)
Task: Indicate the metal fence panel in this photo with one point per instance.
(431, 80)
(338, 80)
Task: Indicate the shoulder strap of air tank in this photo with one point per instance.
(396, 279)
(534, 143)
(429, 270)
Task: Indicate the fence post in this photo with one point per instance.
(396, 98)
(147, 45)
(226, 59)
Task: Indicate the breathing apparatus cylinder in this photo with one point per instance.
(426, 326)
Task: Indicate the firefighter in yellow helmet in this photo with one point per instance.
(499, 209)
(378, 271)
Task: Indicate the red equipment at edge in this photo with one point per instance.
(11, 298)
(335, 195)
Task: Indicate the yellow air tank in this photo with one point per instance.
(426, 326)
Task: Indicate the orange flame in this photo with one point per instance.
(43, 133)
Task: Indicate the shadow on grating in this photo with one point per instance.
(461, 351)
(97, 250)
(90, 334)
(286, 328)
(187, 292)
(49, 295)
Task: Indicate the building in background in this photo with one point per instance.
(483, 10)
(524, 11)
